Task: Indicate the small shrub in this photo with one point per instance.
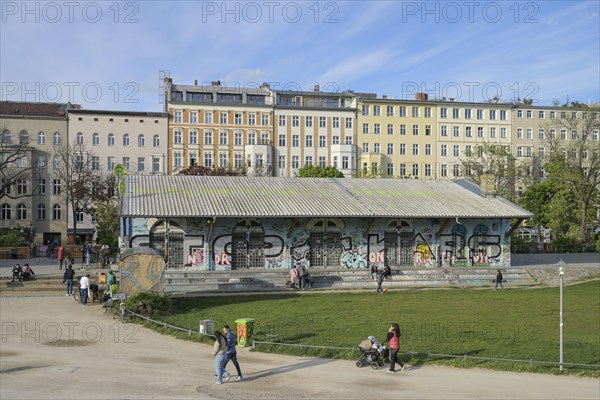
(150, 304)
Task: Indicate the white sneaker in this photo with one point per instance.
(66, 294)
(218, 383)
(239, 378)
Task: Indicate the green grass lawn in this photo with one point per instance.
(515, 324)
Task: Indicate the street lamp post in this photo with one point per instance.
(561, 273)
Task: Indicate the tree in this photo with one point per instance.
(493, 160)
(16, 164)
(107, 223)
(80, 175)
(208, 171)
(574, 158)
(314, 171)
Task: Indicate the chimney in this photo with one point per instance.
(195, 82)
(316, 87)
(265, 85)
(384, 96)
(216, 83)
(421, 96)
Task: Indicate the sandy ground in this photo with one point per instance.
(54, 348)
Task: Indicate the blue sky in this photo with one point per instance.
(108, 54)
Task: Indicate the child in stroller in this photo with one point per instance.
(373, 353)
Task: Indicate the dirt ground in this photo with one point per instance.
(54, 348)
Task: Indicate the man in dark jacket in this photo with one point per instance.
(231, 351)
(499, 280)
(68, 277)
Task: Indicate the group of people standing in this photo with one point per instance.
(299, 277)
(224, 351)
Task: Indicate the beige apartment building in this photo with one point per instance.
(35, 201)
(397, 138)
(137, 140)
(219, 126)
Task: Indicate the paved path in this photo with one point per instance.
(54, 348)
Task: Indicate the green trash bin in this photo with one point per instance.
(245, 331)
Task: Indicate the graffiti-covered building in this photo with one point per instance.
(233, 223)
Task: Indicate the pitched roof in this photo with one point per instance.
(265, 197)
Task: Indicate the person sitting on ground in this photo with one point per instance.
(28, 272)
(17, 273)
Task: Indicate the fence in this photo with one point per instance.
(465, 357)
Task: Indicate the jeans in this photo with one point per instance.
(394, 359)
(220, 360)
(233, 358)
(69, 283)
(84, 296)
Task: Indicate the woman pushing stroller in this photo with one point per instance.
(393, 340)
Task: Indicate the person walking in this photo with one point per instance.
(220, 353)
(60, 255)
(393, 340)
(231, 351)
(68, 277)
(302, 276)
(87, 251)
(387, 272)
(111, 279)
(84, 286)
(499, 280)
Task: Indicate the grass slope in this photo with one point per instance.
(514, 324)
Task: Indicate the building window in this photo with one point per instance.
(322, 141)
(41, 138)
(56, 187)
(308, 160)
(110, 164)
(345, 162)
(156, 141)
(95, 163)
(390, 129)
(444, 170)
(443, 130)
(193, 117)
(403, 111)
(455, 113)
(193, 136)
(237, 138)
(282, 140)
(57, 139)
(427, 169)
(503, 133)
(208, 117)
(377, 129)
(251, 119)
(208, 159)
(178, 118)
(365, 128)
(503, 115)
(402, 149)
(223, 160)
(56, 212)
(295, 140)
(376, 110)
(468, 113)
(155, 164)
(492, 114)
(427, 149)
(126, 162)
(252, 138)
(427, 112)
(309, 122)
(295, 162)
(402, 169)
(479, 114)
(348, 123)
(335, 139)
(456, 152)
(223, 138)
(265, 119)
(223, 118)
(365, 109)
(529, 114)
(519, 113)
(390, 111)
(141, 164)
(456, 170)
(468, 131)
(282, 120)
(6, 212)
(443, 112)
(365, 147)
(402, 129)
(376, 148)
(41, 212)
(390, 148)
(492, 133)
(322, 122)
(415, 150)
(177, 136)
(335, 122)
(529, 133)
(79, 139)
(348, 140)
(456, 131)
(42, 186)
(208, 136)
(295, 120)
(390, 169)
(415, 130)
(237, 119)
(79, 216)
(480, 131)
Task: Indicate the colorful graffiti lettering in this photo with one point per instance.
(354, 259)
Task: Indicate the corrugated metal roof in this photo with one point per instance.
(221, 196)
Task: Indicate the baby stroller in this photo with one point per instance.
(373, 353)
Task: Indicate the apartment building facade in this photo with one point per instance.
(34, 201)
(315, 128)
(136, 140)
(219, 126)
(397, 138)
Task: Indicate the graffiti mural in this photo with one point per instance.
(424, 256)
(354, 259)
(376, 250)
(453, 247)
(484, 247)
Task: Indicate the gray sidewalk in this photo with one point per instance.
(42, 266)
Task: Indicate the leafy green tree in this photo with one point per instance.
(574, 159)
(315, 171)
(208, 171)
(107, 224)
(496, 160)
